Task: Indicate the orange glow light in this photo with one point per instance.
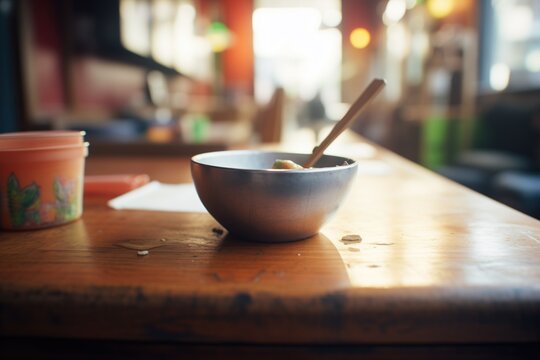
(440, 8)
(360, 38)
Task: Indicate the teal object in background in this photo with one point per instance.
(444, 139)
(200, 128)
(433, 148)
(8, 86)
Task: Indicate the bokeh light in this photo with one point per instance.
(360, 38)
(532, 61)
(499, 76)
(440, 8)
(219, 36)
(518, 23)
(394, 11)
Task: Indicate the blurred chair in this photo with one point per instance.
(504, 140)
(268, 122)
(519, 190)
(312, 115)
(504, 161)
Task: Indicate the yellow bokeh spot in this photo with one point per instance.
(360, 38)
(440, 8)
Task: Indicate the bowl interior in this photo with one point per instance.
(263, 160)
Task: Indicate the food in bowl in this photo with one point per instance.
(286, 165)
(291, 165)
(252, 201)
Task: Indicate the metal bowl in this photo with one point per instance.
(257, 203)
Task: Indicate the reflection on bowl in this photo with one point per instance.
(255, 202)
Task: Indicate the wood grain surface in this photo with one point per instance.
(436, 264)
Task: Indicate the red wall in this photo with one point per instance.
(358, 14)
(46, 60)
(105, 86)
(100, 85)
(238, 59)
(97, 85)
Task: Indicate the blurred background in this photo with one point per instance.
(462, 96)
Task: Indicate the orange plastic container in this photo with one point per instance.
(41, 178)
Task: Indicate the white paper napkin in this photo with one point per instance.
(160, 197)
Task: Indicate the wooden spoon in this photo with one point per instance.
(356, 108)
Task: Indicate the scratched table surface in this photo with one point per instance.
(435, 265)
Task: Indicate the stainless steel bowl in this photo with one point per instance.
(254, 202)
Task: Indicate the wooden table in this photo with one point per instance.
(441, 271)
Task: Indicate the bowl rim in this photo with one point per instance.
(197, 159)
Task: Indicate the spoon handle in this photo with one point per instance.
(365, 98)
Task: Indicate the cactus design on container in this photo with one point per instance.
(66, 199)
(23, 202)
(28, 210)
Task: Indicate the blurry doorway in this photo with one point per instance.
(297, 46)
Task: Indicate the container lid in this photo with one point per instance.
(47, 153)
(40, 139)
